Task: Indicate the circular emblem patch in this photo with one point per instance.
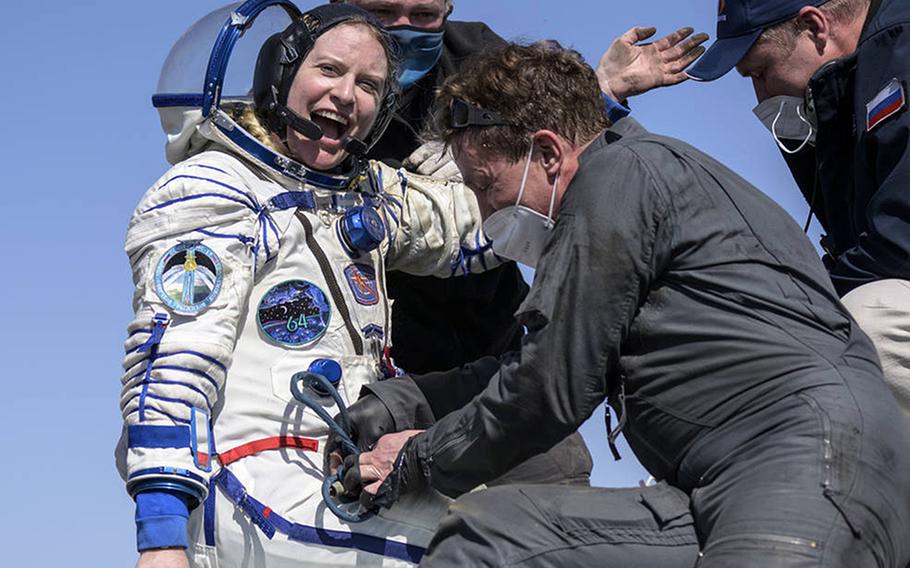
(188, 278)
(294, 313)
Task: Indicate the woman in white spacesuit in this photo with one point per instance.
(260, 257)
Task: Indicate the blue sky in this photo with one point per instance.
(81, 143)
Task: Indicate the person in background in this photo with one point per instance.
(831, 82)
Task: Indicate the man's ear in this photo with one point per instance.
(816, 23)
(553, 150)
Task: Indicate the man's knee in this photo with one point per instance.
(479, 527)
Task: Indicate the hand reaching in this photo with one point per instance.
(629, 68)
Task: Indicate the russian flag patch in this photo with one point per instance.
(887, 102)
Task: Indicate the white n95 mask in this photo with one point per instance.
(519, 233)
(785, 117)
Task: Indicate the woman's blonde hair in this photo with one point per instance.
(245, 116)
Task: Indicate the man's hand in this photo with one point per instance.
(375, 466)
(434, 160)
(381, 475)
(163, 558)
(370, 420)
(628, 69)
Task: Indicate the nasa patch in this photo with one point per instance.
(188, 278)
(294, 313)
(362, 280)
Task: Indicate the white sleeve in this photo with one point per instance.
(434, 226)
(194, 242)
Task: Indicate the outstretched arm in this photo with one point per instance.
(630, 68)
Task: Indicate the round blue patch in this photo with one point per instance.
(294, 313)
(188, 278)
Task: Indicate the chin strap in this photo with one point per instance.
(355, 146)
(293, 120)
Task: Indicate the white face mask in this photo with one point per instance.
(518, 232)
(785, 117)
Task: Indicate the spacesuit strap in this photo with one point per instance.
(405, 401)
(293, 200)
(270, 522)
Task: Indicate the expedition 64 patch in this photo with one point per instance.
(188, 278)
(294, 313)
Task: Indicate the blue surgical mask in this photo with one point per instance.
(420, 51)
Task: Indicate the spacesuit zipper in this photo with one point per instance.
(334, 288)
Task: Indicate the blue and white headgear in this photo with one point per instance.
(211, 68)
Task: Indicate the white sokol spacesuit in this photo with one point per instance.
(249, 269)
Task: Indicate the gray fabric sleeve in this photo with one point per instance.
(409, 407)
(611, 240)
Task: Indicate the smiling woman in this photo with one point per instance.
(340, 94)
(261, 255)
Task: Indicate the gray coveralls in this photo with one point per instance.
(691, 300)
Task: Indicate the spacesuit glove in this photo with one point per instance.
(435, 160)
(370, 420)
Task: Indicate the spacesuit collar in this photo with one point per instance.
(224, 130)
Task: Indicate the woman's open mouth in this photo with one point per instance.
(334, 126)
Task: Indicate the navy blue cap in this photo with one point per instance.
(739, 24)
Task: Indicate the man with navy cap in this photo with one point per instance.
(831, 82)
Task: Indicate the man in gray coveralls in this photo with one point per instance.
(694, 304)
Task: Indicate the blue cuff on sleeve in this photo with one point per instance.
(615, 110)
(161, 518)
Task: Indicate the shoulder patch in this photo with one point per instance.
(888, 102)
(362, 280)
(294, 313)
(188, 278)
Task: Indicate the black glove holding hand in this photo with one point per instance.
(370, 420)
(406, 476)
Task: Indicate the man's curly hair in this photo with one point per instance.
(532, 86)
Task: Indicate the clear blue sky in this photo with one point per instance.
(81, 143)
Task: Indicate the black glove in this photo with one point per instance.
(407, 476)
(370, 420)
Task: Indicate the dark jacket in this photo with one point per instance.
(671, 285)
(858, 185)
(437, 323)
(440, 324)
